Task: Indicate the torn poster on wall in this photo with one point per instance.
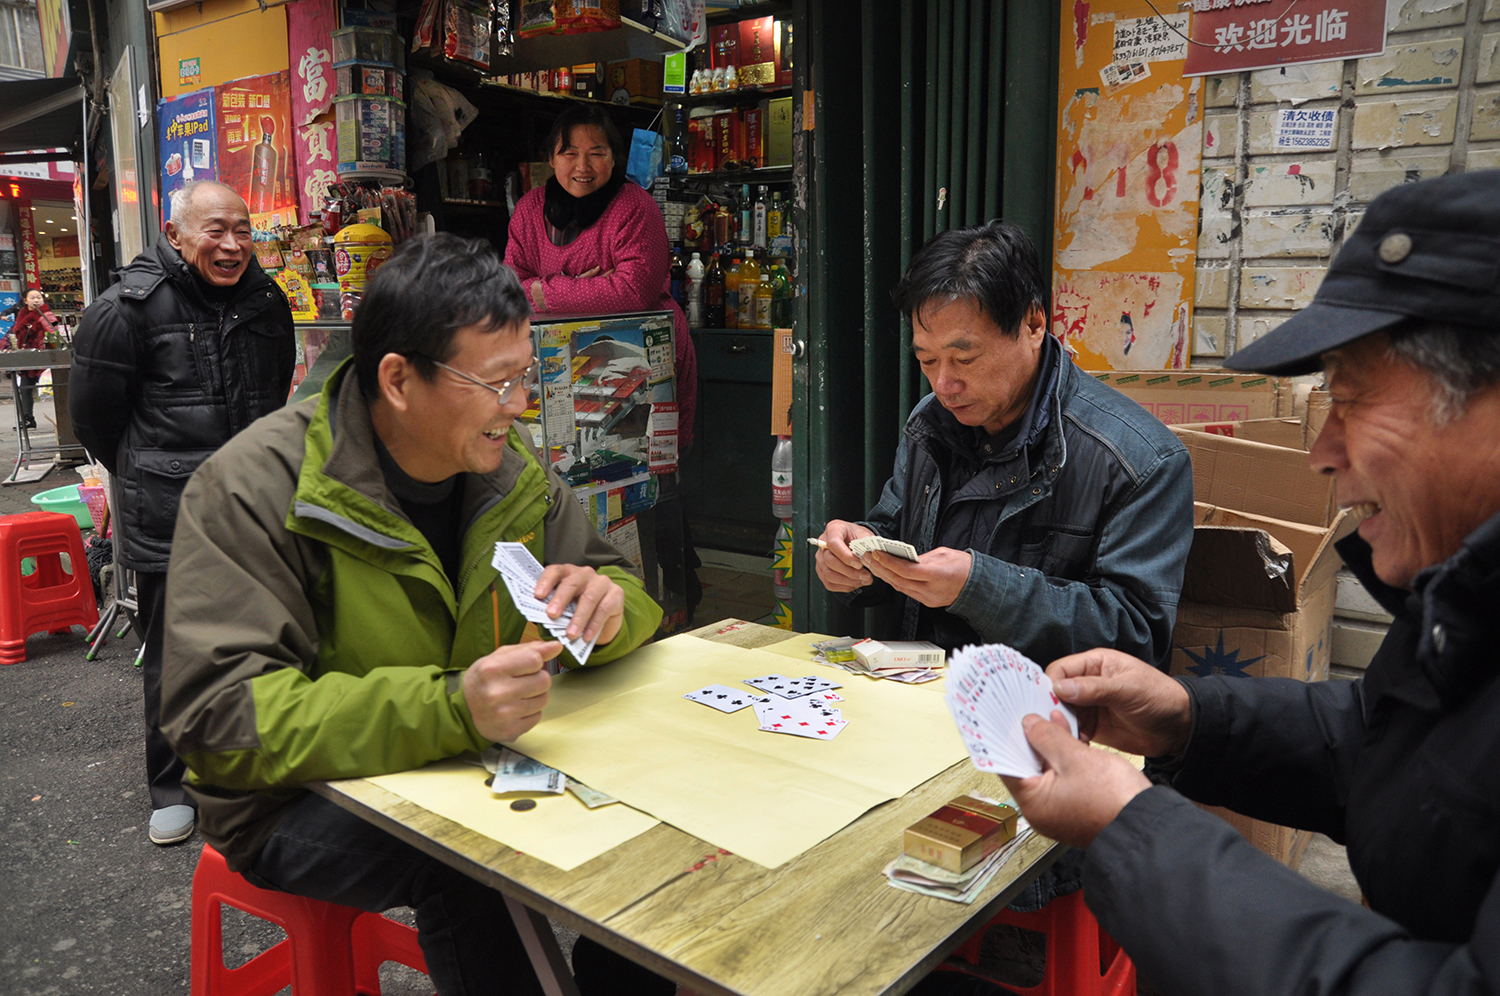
(1127, 193)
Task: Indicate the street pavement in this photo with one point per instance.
(88, 904)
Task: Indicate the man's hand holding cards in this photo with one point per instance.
(575, 604)
(896, 548)
(991, 688)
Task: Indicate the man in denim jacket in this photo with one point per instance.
(1050, 512)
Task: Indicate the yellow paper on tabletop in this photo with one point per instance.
(625, 728)
(800, 647)
(560, 831)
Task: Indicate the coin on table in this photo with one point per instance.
(521, 805)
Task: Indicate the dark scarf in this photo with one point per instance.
(564, 211)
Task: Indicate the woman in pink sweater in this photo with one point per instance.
(592, 242)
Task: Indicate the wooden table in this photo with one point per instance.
(826, 922)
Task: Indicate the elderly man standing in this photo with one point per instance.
(192, 344)
(1401, 765)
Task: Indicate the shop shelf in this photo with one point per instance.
(632, 40)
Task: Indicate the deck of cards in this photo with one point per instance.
(990, 689)
(896, 548)
(521, 572)
(801, 707)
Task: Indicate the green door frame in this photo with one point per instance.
(956, 124)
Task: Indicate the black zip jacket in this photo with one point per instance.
(1402, 766)
(162, 377)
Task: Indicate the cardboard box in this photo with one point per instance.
(1288, 432)
(778, 140)
(755, 136)
(758, 62)
(725, 40)
(635, 81)
(588, 80)
(1258, 593)
(1195, 396)
(729, 137)
(959, 835)
(1273, 481)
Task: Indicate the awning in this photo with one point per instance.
(39, 115)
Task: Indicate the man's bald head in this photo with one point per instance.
(210, 227)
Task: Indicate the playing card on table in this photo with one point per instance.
(990, 689)
(723, 698)
(521, 572)
(791, 688)
(800, 717)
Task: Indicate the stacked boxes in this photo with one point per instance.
(1258, 594)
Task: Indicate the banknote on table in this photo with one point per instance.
(518, 773)
(591, 798)
(911, 875)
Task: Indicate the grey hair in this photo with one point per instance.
(1459, 362)
(182, 197)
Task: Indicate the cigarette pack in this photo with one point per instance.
(878, 656)
(961, 833)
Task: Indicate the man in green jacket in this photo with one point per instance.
(333, 612)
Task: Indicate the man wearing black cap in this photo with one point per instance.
(1402, 766)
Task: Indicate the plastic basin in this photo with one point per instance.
(66, 501)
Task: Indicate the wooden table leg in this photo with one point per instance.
(541, 945)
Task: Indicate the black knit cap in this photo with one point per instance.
(1427, 250)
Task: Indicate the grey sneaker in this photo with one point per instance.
(173, 825)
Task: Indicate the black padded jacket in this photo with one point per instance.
(162, 377)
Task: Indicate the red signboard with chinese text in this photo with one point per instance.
(1229, 36)
(31, 269)
(310, 25)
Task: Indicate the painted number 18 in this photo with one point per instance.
(1161, 174)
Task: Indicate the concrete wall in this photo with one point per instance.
(1271, 221)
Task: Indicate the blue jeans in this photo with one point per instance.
(467, 936)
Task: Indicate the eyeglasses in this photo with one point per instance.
(505, 390)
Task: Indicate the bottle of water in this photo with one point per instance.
(695, 273)
(781, 478)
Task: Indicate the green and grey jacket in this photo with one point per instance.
(311, 631)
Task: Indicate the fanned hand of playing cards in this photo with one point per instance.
(521, 572)
(896, 548)
(990, 688)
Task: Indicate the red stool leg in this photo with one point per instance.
(264, 975)
(378, 939)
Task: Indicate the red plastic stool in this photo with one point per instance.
(50, 598)
(1082, 960)
(329, 950)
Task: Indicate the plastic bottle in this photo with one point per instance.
(732, 295)
(713, 298)
(759, 220)
(781, 478)
(764, 299)
(695, 273)
(773, 216)
(749, 280)
(781, 296)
